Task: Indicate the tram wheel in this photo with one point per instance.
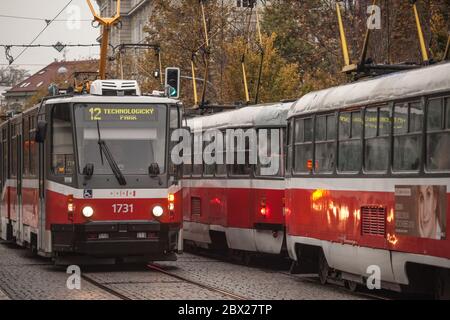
(247, 258)
(351, 285)
(442, 286)
(324, 269)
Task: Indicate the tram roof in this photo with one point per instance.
(394, 86)
(265, 115)
(87, 98)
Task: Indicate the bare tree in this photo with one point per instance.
(10, 76)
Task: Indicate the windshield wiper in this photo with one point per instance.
(109, 157)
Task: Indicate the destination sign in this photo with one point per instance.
(120, 113)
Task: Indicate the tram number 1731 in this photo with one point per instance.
(123, 208)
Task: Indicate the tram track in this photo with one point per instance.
(310, 278)
(158, 268)
(105, 288)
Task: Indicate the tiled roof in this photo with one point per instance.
(44, 77)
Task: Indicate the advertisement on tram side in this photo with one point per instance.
(421, 211)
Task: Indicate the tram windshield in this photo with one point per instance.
(134, 134)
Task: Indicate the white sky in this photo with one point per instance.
(15, 31)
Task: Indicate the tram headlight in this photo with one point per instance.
(88, 211)
(157, 211)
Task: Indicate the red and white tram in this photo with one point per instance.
(368, 180)
(236, 206)
(99, 184)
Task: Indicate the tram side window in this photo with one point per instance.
(187, 167)
(350, 144)
(33, 148)
(270, 160)
(408, 122)
(174, 124)
(62, 141)
(5, 155)
(221, 168)
(197, 166)
(26, 147)
(325, 143)
(13, 151)
(377, 128)
(438, 135)
(303, 131)
(241, 165)
(208, 169)
(289, 147)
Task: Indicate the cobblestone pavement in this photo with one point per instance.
(26, 277)
(31, 278)
(142, 284)
(3, 296)
(253, 283)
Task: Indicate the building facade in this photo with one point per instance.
(61, 72)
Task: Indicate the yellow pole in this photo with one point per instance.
(258, 26)
(205, 75)
(194, 83)
(244, 74)
(447, 50)
(204, 24)
(104, 52)
(420, 34)
(106, 23)
(343, 38)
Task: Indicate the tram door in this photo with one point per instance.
(41, 183)
(17, 180)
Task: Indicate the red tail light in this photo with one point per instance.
(70, 207)
(171, 205)
(263, 210)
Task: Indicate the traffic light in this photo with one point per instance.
(173, 82)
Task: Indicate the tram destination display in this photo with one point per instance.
(118, 113)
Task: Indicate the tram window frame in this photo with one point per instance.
(52, 144)
(188, 166)
(197, 168)
(328, 137)
(209, 170)
(379, 134)
(300, 141)
(289, 148)
(281, 165)
(222, 166)
(34, 151)
(350, 139)
(26, 147)
(14, 160)
(443, 129)
(406, 134)
(174, 114)
(5, 154)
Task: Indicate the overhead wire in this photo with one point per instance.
(41, 32)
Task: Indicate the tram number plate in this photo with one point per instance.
(123, 208)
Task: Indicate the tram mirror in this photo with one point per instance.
(153, 169)
(88, 170)
(41, 131)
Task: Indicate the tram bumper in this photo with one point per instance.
(150, 239)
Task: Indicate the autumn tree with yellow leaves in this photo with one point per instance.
(177, 27)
